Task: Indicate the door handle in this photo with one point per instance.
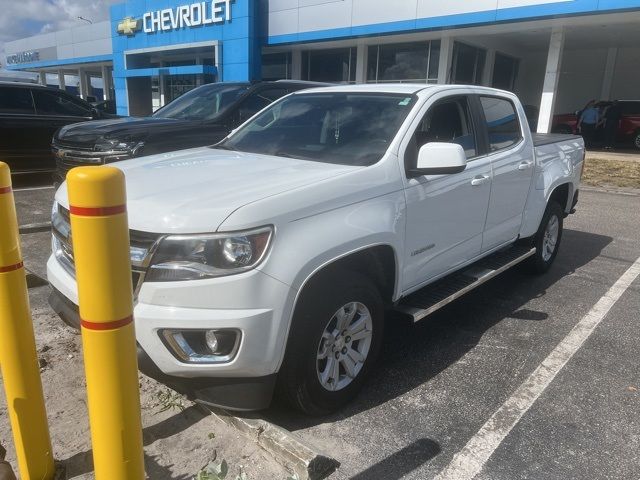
(526, 165)
(479, 180)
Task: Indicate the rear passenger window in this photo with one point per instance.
(502, 123)
(16, 100)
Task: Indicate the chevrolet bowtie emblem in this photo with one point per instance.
(128, 26)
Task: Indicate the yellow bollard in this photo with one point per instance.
(103, 272)
(18, 357)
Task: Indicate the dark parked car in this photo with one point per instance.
(202, 116)
(628, 129)
(29, 116)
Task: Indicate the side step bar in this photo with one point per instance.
(433, 297)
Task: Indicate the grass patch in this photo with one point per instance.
(599, 172)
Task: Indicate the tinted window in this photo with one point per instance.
(502, 123)
(16, 100)
(335, 65)
(630, 108)
(55, 103)
(346, 128)
(447, 121)
(404, 62)
(203, 103)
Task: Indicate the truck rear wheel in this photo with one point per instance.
(334, 340)
(547, 239)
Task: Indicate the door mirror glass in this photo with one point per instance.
(437, 158)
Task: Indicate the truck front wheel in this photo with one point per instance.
(334, 340)
(547, 239)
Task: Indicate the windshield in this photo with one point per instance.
(345, 128)
(203, 103)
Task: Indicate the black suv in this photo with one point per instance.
(29, 116)
(200, 117)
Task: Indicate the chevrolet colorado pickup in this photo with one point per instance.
(268, 262)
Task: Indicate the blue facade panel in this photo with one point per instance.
(237, 38)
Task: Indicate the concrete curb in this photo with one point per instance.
(285, 447)
(35, 227)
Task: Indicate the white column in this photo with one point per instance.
(296, 64)
(551, 78)
(42, 77)
(446, 56)
(361, 63)
(487, 75)
(609, 70)
(61, 80)
(106, 82)
(84, 84)
(218, 61)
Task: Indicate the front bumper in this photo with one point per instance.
(253, 303)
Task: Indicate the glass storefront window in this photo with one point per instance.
(505, 72)
(276, 66)
(336, 65)
(404, 62)
(468, 64)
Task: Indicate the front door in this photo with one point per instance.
(445, 213)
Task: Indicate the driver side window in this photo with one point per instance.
(449, 121)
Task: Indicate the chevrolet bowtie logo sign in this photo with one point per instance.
(128, 26)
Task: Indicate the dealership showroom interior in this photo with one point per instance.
(309, 239)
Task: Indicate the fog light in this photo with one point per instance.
(202, 346)
(212, 340)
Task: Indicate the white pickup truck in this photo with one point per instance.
(268, 261)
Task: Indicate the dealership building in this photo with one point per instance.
(555, 54)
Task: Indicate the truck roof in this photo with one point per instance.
(406, 88)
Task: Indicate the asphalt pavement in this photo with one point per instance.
(439, 381)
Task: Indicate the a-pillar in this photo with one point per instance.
(61, 83)
(446, 57)
(551, 79)
(84, 83)
(106, 82)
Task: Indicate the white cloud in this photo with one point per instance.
(23, 18)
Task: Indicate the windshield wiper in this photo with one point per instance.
(224, 147)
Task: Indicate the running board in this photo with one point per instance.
(433, 297)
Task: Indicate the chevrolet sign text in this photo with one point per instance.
(196, 14)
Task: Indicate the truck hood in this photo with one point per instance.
(88, 133)
(194, 191)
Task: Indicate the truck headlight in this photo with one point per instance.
(129, 146)
(193, 257)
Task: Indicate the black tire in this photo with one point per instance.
(636, 140)
(541, 261)
(299, 381)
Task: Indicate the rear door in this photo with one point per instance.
(19, 129)
(445, 213)
(512, 163)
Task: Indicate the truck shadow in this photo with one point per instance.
(415, 353)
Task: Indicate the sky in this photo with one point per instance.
(23, 18)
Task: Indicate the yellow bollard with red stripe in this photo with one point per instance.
(18, 357)
(103, 271)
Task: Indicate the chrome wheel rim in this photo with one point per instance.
(344, 346)
(550, 239)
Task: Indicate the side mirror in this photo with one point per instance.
(437, 158)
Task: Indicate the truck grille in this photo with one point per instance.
(69, 156)
(63, 247)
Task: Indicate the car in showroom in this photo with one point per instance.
(628, 129)
(29, 116)
(200, 117)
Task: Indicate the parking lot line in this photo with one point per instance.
(467, 463)
(27, 189)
